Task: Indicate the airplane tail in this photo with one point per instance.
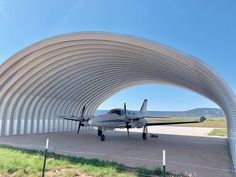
(144, 106)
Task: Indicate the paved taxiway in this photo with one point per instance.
(199, 156)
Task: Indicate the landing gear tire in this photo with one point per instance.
(102, 137)
(144, 136)
(99, 132)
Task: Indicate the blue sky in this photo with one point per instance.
(205, 29)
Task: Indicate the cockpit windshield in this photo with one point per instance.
(116, 111)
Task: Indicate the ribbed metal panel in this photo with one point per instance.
(62, 74)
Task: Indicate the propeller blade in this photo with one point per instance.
(78, 127)
(125, 111)
(126, 119)
(82, 112)
(125, 107)
(128, 131)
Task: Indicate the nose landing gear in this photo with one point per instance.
(99, 132)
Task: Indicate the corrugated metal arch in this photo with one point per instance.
(61, 74)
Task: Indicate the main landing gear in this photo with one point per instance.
(144, 135)
(102, 136)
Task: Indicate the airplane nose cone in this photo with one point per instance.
(90, 122)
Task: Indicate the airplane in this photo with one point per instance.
(121, 118)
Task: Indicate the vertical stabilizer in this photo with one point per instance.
(144, 106)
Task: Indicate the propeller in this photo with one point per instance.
(82, 112)
(126, 119)
(127, 130)
(125, 110)
(79, 127)
(81, 119)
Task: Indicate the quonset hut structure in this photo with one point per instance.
(59, 75)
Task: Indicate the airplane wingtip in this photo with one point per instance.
(202, 119)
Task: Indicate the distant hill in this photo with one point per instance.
(207, 112)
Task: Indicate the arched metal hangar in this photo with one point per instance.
(59, 75)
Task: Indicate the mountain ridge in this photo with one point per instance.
(197, 112)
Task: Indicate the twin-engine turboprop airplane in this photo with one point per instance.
(121, 118)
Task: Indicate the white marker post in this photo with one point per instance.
(164, 163)
(45, 157)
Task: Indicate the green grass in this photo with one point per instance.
(19, 162)
(216, 122)
(218, 132)
(29, 163)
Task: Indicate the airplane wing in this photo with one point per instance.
(72, 117)
(202, 119)
(75, 118)
(155, 117)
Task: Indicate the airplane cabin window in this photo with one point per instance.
(118, 112)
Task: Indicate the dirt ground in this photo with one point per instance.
(176, 130)
(199, 156)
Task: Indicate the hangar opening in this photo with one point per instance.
(162, 97)
(61, 74)
(167, 104)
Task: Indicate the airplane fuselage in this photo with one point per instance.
(116, 119)
(121, 118)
